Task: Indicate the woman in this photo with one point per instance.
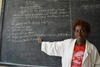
(74, 52)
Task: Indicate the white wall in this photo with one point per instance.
(0, 5)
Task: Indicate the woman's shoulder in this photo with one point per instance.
(70, 40)
(91, 46)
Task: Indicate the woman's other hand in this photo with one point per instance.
(40, 40)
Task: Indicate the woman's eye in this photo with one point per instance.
(82, 31)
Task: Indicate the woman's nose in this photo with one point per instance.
(79, 33)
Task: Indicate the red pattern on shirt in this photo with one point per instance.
(78, 56)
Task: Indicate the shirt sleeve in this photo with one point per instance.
(97, 58)
(53, 48)
(98, 62)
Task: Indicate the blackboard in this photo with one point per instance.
(27, 20)
(24, 21)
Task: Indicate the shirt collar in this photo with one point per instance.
(87, 46)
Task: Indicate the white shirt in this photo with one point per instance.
(65, 49)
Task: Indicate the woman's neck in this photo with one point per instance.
(80, 43)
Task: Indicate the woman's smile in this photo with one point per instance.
(80, 34)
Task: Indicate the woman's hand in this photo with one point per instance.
(40, 40)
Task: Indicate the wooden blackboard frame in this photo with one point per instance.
(2, 20)
(1, 23)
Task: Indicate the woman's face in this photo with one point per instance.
(80, 33)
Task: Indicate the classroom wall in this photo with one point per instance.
(23, 21)
(0, 5)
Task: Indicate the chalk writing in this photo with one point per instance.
(91, 6)
(22, 31)
(21, 37)
(42, 13)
